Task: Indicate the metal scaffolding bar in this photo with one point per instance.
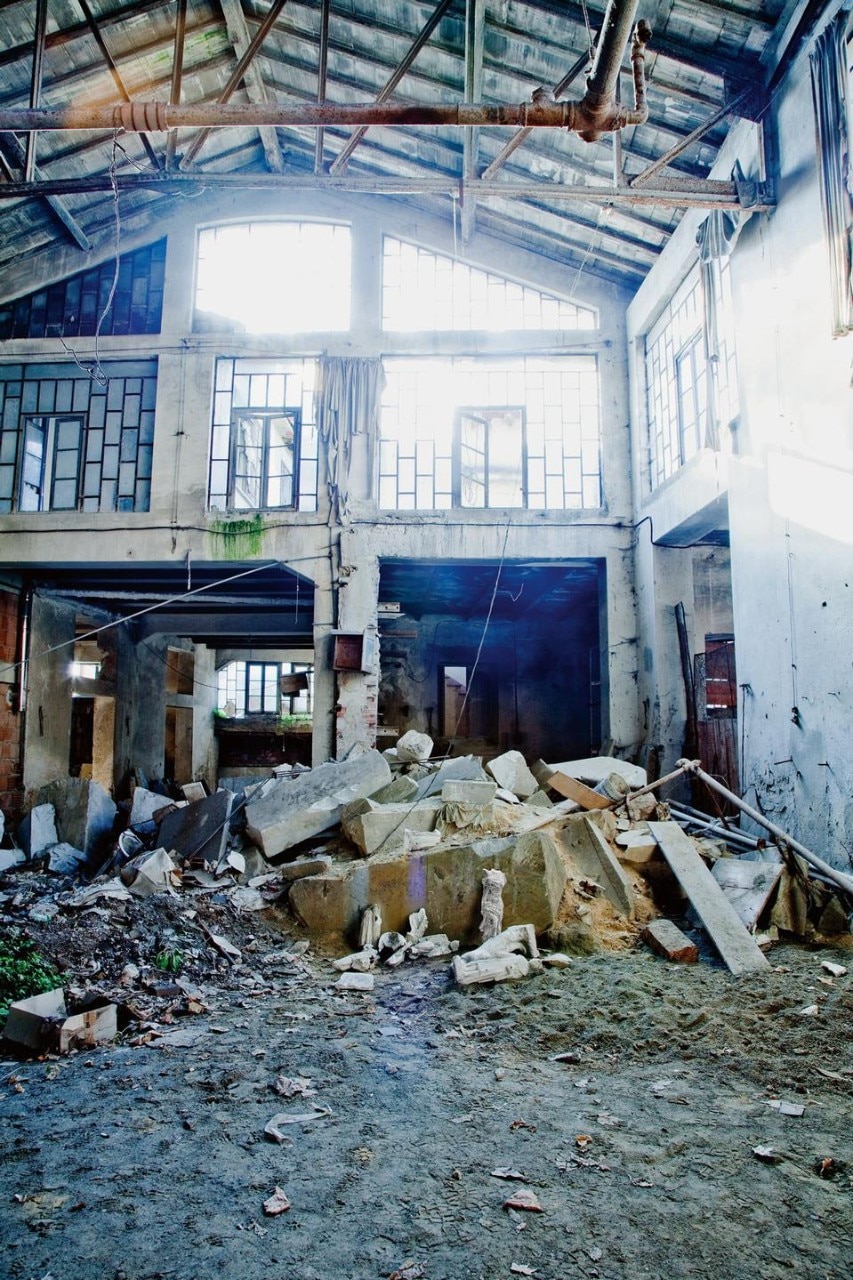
(35, 85)
(385, 93)
(177, 76)
(322, 72)
(264, 109)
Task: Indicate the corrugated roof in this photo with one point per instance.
(702, 54)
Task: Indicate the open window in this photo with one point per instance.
(264, 449)
(490, 458)
(51, 449)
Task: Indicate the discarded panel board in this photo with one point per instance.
(736, 946)
(747, 885)
(578, 791)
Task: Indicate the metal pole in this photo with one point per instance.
(177, 75)
(322, 72)
(838, 877)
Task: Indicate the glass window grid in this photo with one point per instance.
(72, 307)
(423, 290)
(674, 341)
(285, 386)
(118, 440)
(240, 682)
(422, 398)
(303, 269)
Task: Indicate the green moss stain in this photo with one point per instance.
(238, 539)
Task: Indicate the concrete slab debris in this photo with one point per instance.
(85, 813)
(400, 791)
(38, 832)
(636, 847)
(736, 946)
(194, 791)
(414, 747)
(144, 805)
(579, 792)
(11, 858)
(64, 860)
(668, 941)
(510, 771)
(299, 808)
(595, 769)
(456, 767)
(445, 881)
(199, 833)
(150, 873)
(469, 791)
(747, 885)
(592, 855)
(355, 982)
(373, 827)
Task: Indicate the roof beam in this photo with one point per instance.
(245, 61)
(56, 39)
(663, 161)
(10, 145)
(35, 85)
(475, 30)
(668, 191)
(115, 73)
(256, 89)
(177, 75)
(397, 75)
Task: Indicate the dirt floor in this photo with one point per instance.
(146, 1160)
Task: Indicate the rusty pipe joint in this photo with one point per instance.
(597, 114)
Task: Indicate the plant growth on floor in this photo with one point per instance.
(23, 971)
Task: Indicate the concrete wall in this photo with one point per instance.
(47, 734)
(342, 561)
(10, 714)
(789, 494)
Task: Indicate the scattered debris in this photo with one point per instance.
(667, 940)
(276, 1204)
(767, 1155)
(42, 1023)
(837, 970)
(523, 1199)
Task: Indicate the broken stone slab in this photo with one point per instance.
(358, 962)
(446, 882)
(470, 791)
(515, 938)
(462, 767)
(11, 858)
(144, 805)
(64, 860)
(370, 927)
(414, 747)
(540, 800)
(299, 808)
(400, 791)
(85, 814)
(312, 865)
(596, 769)
(194, 791)
(418, 925)
(373, 827)
(557, 960)
(506, 968)
(668, 941)
(586, 848)
(355, 982)
(417, 841)
(199, 833)
(38, 832)
(511, 772)
(435, 946)
(636, 847)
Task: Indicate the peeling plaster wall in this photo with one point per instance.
(789, 490)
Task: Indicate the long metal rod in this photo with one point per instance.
(234, 80)
(838, 877)
(35, 85)
(674, 152)
(517, 138)
(158, 117)
(688, 195)
(322, 72)
(388, 88)
(177, 76)
(115, 73)
(475, 30)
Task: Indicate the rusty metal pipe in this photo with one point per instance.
(612, 43)
(597, 114)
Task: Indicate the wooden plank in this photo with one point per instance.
(736, 946)
(578, 791)
(747, 885)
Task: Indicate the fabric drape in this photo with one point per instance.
(829, 88)
(349, 396)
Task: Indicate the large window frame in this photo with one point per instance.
(477, 466)
(260, 462)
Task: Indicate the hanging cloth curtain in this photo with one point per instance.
(349, 396)
(829, 87)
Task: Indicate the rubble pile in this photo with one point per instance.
(151, 905)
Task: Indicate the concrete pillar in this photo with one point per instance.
(205, 744)
(323, 737)
(47, 735)
(358, 596)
